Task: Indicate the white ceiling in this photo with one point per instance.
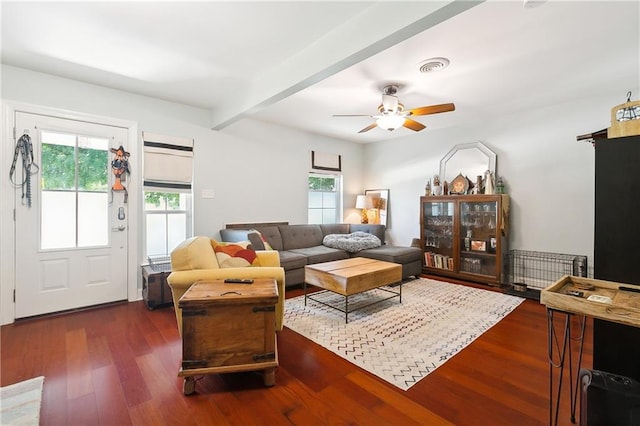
(297, 63)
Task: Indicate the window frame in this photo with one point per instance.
(81, 142)
(166, 212)
(338, 208)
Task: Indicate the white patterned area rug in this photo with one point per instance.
(401, 343)
(20, 402)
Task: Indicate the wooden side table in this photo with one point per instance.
(228, 328)
(622, 306)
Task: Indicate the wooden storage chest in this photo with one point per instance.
(156, 292)
(228, 328)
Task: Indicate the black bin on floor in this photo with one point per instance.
(608, 399)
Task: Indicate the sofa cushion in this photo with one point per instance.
(234, 235)
(235, 255)
(258, 241)
(394, 254)
(334, 228)
(319, 254)
(290, 260)
(271, 234)
(354, 242)
(300, 236)
(193, 253)
(377, 230)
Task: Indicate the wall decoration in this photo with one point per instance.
(380, 201)
(467, 159)
(120, 167)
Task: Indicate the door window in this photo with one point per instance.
(75, 191)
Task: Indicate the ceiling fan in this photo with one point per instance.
(393, 115)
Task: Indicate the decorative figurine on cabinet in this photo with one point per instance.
(488, 182)
(437, 189)
(477, 189)
(500, 185)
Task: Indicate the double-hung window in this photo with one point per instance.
(325, 198)
(168, 169)
(168, 221)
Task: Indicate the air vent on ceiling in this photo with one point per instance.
(433, 64)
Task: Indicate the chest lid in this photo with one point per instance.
(212, 292)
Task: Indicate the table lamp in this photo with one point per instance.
(364, 202)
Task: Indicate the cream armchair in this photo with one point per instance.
(194, 260)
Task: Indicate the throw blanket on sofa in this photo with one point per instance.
(353, 242)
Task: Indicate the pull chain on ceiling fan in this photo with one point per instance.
(393, 115)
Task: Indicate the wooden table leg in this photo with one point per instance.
(269, 377)
(189, 385)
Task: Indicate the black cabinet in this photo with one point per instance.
(616, 347)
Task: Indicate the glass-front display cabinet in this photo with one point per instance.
(464, 236)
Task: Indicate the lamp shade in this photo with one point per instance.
(364, 202)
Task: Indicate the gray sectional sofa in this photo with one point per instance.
(300, 245)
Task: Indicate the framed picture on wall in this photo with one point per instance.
(380, 201)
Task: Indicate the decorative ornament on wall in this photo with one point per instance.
(120, 168)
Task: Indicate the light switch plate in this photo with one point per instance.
(207, 193)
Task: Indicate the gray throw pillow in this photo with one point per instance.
(256, 240)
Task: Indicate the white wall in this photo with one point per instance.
(549, 175)
(258, 172)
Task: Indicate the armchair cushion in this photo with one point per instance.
(235, 255)
(193, 253)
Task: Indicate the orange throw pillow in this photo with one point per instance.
(235, 255)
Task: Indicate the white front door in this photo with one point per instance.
(71, 243)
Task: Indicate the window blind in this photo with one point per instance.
(168, 163)
(326, 161)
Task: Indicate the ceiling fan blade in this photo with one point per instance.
(413, 125)
(432, 109)
(369, 127)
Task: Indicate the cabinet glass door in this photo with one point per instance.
(478, 237)
(438, 234)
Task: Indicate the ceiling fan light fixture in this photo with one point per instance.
(433, 64)
(390, 121)
(390, 103)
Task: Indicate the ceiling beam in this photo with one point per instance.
(377, 28)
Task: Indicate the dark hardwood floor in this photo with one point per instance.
(117, 365)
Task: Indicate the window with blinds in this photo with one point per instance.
(168, 175)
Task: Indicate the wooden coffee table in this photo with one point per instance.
(352, 276)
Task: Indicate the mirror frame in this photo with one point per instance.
(379, 215)
(480, 147)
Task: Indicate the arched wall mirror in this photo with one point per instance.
(469, 159)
